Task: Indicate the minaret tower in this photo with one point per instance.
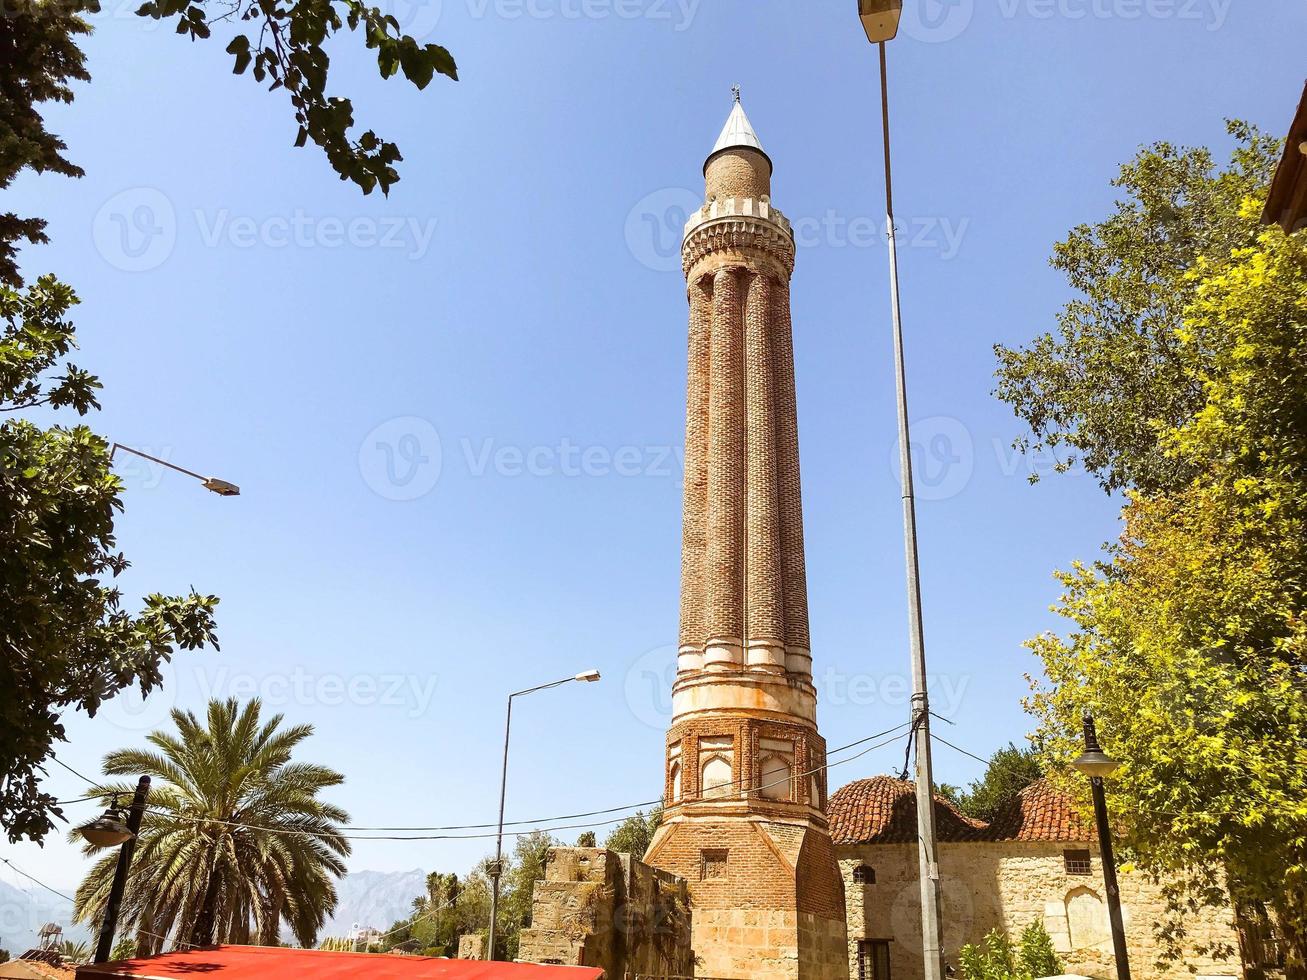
(745, 791)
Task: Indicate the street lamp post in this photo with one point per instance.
(221, 487)
(496, 869)
(106, 831)
(1097, 765)
(880, 19)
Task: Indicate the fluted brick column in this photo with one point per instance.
(726, 475)
(793, 571)
(694, 545)
(765, 633)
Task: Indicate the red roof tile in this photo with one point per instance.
(1041, 813)
(258, 962)
(883, 810)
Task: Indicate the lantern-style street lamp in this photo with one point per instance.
(880, 18)
(110, 830)
(1097, 765)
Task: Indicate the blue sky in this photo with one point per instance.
(456, 414)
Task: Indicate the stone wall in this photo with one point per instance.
(472, 946)
(599, 908)
(1008, 886)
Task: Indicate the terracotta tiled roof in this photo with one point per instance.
(1040, 813)
(883, 810)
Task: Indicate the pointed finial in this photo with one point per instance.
(735, 90)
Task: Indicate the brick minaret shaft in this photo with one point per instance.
(745, 788)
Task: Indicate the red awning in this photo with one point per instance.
(251, 962)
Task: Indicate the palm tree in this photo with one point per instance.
(234, 841)
(75, 952)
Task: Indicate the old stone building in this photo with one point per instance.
(599, 908)
(1038, 862)
(745, 783)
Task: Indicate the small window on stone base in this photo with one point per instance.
(864, 875)
(712, 864)
(1077, 862)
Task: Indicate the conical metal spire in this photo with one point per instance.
(738, 132)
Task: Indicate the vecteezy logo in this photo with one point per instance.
(648, 686)
(936, 21)
(401, 459)
(136, 229)
(655, 226)
(943, 457)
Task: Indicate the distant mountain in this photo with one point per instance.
(22, 913)
(375, 899)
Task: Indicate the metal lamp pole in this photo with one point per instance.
(880, 19)
(1096, 764)
(109, 926)
(497, 869)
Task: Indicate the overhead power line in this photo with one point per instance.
(417, 836)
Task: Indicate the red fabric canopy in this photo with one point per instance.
(251, 962)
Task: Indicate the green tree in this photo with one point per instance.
(124, 949)
(235, 841)
(587, 839)
(75, 952)
(1010, 771)
(1190, 644)
(69, 643)
(634, 834)
(1038, 957)
(284, 45)
(530, 858)
(433, 928)
(996, 958)
(1102, 386)
(41, 60)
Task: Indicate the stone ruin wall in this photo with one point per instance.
(596, 907)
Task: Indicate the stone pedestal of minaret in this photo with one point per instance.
(745, 791)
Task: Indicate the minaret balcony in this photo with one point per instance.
(738, 207)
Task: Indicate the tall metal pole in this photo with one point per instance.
(1108, 858)
(109, 926)
(932, 947)
(497, 869)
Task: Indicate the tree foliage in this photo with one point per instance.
(1104, 385)
(68, 641)
(1010, 771)
(41, 60)
(998, 958)
(284, 45)
(1190, 643)
(235, 840)
(634, 834)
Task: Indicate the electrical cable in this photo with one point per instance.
(737, 783)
